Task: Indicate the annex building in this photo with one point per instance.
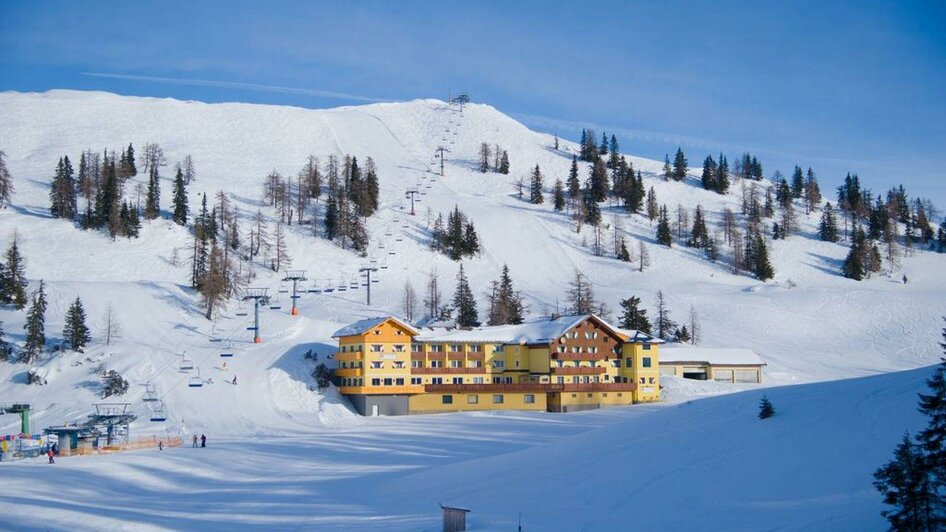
(712, 363)
(388, 367)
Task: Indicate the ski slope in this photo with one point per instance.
(808, 324)
(707, 464)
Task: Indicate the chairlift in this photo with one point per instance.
(392, 253)
(283, 287)
(195, 381)
(241, 309)
(186, 363)
(150, 394)
(157, 413)
(399, 239)
(314, 289)
(342, 286)
(274, 304)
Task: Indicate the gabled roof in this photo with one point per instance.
(362, 326)
(635, 336)
(534, 331)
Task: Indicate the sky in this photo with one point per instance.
(836, 86)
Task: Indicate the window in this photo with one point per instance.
(436, 363)
(436, 348)
(456, 363)
(475, 364)
(376, 382)
(576, 350)
(377, 332)
(398, 348)
(497, 380)
(498, 399)
(646, 362)
(574, 395)
(615, 362)
(607, 377)
(344, 365)
(472, 399)
(415, 363)
(458, 380)
(517, 363)
(620, 394)
(399, 381)
(529, 399)
(629, 362)
(499, 363)
(398, 364)
(643, 381)
(376, 364)
(646, 347)
(417, 380)
(399, 332)
(650, 380)
(560, 380)
(477, 380)
(604, 394)
(456, 348)
(388, 381)
(593, 350)
(436, 380)
(359, 348)
(417, 348)
(447, 399)
(476, 348)
(589, 396)
(562, 349)
(376, 348)
(499, 348)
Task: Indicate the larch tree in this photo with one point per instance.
(580, 297)
(664, 325)
(484, 157)
(409, 301)
(111, 327)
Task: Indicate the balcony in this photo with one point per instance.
(530, 388)
(447, 371)
(349, 372)
(382, 390)
(578, 371)
(347, 356)
(580, 356)
(456, 355)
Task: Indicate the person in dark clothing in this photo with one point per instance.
(203, 440)
(50, 454)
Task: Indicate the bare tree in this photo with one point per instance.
(282, 258)
(484, 157)
(213, 285)
(151, 156)
(110, 323)
(432, 296)
(188, 169)
(580, 296)
(696, 331)
(643, 257)
(409, 301)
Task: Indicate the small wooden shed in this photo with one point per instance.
(454, 519)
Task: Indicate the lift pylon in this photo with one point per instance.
(295, 276)
(259, 296)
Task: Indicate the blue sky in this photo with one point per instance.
(838, 86)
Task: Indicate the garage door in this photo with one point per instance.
(744, 375)
(694, 373)
(722, 375)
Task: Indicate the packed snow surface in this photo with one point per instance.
(284, 455)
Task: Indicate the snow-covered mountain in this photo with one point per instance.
(808, 324)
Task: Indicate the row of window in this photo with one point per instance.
(498, 399)
(399, 381)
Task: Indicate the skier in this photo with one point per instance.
(160, 445)
(194, 444)
(234, 380)
(203, 440)
(225, 367)
(50, 454)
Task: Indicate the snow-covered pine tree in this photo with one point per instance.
(35, 327)
(464, 302)
(75, 332)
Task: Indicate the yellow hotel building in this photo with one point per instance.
(388, 367)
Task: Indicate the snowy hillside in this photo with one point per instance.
(820, 326)
(708, 464)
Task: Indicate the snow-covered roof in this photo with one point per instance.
(633, 335)
(363, 326)
(533, 331)
(715, 356)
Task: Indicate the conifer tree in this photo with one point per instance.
(574, 185)
(35, 327)
(504, 163)
(130, 169)
(331, 218)
(599, 181)
(591, 209)
(506, 305)
(6, 182)
(74, 331)
(180, 199)
(623, 254)
(62, 195)
(613, 152)
(635, 194)
(798, 183)
(535, 187)
(766, 410)
(763, 268)
(668, 170)
(357, 232)
(634, 318)
(663, 323)
(933, 438)
(664, 236)
(721, 183)
(372, 186)
(5, 348)
(558, 194)
(464, 302)
(484, 157)
(698, 234)
(13, 281)
(828, 228)
(681, 335)
(907, 484)
(652, 208)
(679, 166)
(855, 264)
(153, 199)
(708, 178)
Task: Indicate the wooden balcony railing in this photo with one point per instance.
(531, 388)
(579, 356)
(447, 371)
(578, 371)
